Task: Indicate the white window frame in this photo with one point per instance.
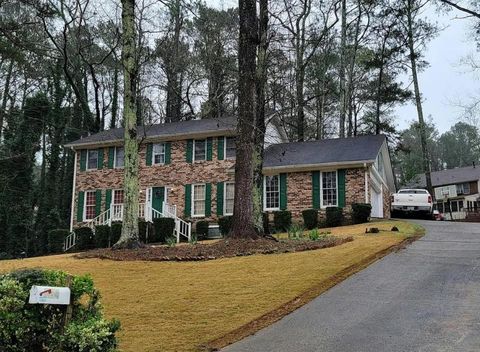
(265, 208)
(323, 206)
(194, 151)
(225, 198)
(85, 204)
(115, 166)
(193, 200)
(164, 153)
(225, 147)
(87, 163)
(113, 196)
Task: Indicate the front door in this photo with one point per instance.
(158, 196)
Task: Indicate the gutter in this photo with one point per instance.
(308, 167)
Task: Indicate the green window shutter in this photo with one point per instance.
(80, 202)
(108, 198)
(221, 148)
(83, 160)
(111, 157)
(189, 151)
(168, 152)
(100, 159)
(209, 149)
(188, 201)
(208, 199)
(98, 202)
(283, 191)
(149, 154)
(220, 190)
(341, 188)
(316, 189)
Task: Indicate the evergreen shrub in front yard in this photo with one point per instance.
(266, 223)
(201, 229)
(282, 220)
(334, 216)
(115, 232)
(56, 240)
(310, 218)
(85, 239)
(225, 224)
(361, 212)
(39, 327)
(163, 229)
(102, 236)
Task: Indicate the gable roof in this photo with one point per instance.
(448, 177)
(361, 149)
(164, 130)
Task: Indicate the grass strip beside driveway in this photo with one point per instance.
(172, 306)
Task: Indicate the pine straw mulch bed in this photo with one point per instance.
(216, 250)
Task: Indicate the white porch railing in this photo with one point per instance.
(145, 211)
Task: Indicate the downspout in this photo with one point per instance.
(366, 182)
(73, 189)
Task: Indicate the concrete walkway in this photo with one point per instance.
(423, 298)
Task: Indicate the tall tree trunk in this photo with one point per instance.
(343, 54)
(418, 98)
(260, 116)
(113, 121)
(243, 225)
(6, 92)
(129, 236)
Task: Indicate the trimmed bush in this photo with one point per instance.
(310, 218)
(266, 223)
(145, 231)
(115, 232)
(282, 220)
(201, 229)
(225, 224)
(361, 212)
(85, 238)
(56, 240)
(334, 216)
(163, 228)
(39, 327)
(102, 236)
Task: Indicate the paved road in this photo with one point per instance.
(424, 298)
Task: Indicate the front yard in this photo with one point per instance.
(177, 306)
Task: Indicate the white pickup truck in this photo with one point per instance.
(414, 201)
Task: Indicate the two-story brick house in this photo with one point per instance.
(190, 165)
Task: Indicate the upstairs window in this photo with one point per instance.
(200, 150)
(229, 198)
(230, 148)
(329, 188)
(272, 192)
(463, 188)
(92, 159)
(158, 153)
(119, 157)
(90, 205)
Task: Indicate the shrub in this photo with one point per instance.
(38, 327)
(224, 225)
(282, 220)
(361, 212)
(266, 223)
(314, 235)
(56, 240)
(84, 238)
(115, 232)
(145, 231)
(310, 218)
(102, 236)
(334, 216)
(163, 229)
(171, 241)
(201, 228)
(295, 232)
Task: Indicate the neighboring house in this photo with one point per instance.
(188, 168)
(455, 190)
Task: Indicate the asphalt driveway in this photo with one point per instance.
(423, 298)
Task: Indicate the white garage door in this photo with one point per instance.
(377, 203)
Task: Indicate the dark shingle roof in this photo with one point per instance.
(448, 177)
(159, 130)
(362, 148)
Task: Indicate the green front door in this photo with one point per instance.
(158, 196)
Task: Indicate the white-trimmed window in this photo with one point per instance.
(158, 153)
(230, 148)
(229, 196)
(199, 149)
(198, 200)
(271, 192)
(90, 205)
(117, 196)
(329, 189)
(119, 157)
(92, 159)
(463, 188)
